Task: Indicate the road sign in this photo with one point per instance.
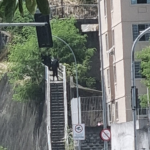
(79, 131)
(105, 134)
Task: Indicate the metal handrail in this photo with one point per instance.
(47, 95)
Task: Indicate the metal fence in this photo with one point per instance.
(91, 110)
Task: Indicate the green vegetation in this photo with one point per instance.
(66, 30)
(26, 73)
(144, 56)
(70, 141)
(3, 69)
(9, 7)
(2, 148)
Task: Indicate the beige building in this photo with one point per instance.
(121, 22)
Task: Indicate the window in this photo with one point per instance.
(138, 70)
(116, 111)
(140, 1)
(115, 76)
(108, 78)
(109, 112)
(111, 1)
(113, 38)
(106, 39)
(136, 29)
(141, 111)
(112, 112)
(105, 8)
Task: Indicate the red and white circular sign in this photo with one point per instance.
(78, 128)
(105, 134)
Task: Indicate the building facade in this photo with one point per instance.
(121, 23)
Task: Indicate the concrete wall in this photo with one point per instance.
(122, 137)
(22, 125)
(92, 42)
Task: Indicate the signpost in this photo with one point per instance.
(79, 131)
(105, 134)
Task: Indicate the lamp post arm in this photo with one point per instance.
(132, 54)
(133, 88)
(74, 60)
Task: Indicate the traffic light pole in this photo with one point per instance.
(22, 24)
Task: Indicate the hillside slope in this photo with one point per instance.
(22, 125)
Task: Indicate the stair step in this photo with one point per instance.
(56, 126)
(55, 109)
(57, 132)
(58, 96)
(56, 84)
(57, 121)
(54, 96)
(58, 108)
(56, 87)
(57, 103)
(57, 138)
(58, 113)
(57, 129)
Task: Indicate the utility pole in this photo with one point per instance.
(102, 75)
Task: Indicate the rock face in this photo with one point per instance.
(22, 125)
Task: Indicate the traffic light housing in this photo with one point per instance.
(44, 34)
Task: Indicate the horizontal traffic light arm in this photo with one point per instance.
(23, 24)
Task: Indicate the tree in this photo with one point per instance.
(26, 70)
(144, 55)
(66, 30)
(9, 7)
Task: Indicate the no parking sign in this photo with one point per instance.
(105, 134)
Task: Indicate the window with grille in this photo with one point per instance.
(137, 29)
(105, 8)
(138, 70)
(111, 4)
(108, 78)
(113, 38)
(109, 112)
(140, 1)
(116, 111)
(106, 39)
(115, 76)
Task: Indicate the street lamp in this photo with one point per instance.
(77, 90)
(133, 87)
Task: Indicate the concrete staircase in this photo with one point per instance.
(57, 116)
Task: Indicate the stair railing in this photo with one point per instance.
(65, 103)
(47, 96)
(60, 71)
(62, 75)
